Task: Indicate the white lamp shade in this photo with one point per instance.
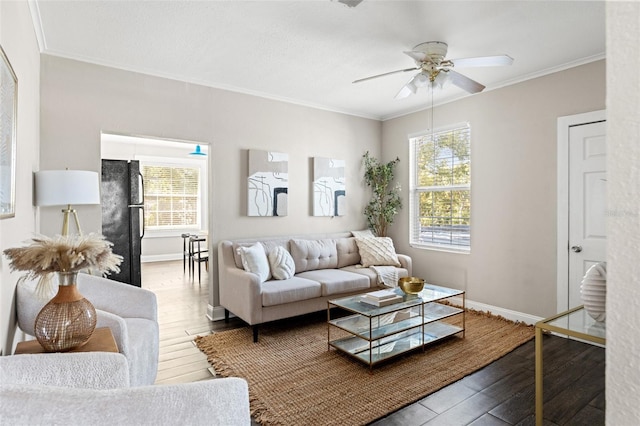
(65, 187)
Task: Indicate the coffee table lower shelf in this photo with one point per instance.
(372, 352)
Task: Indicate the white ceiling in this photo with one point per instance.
(309, 51)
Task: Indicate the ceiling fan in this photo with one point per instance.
(435, 70)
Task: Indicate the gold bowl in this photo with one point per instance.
(411, 285)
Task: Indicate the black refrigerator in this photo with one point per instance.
(122, 197)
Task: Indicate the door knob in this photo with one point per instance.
(576, 249)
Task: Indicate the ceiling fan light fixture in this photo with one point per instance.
(350, 3)
(420, 80)
(442, 80)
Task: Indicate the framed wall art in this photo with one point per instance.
(268, 183)
(328, 187)
(8, 117)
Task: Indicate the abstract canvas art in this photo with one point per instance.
(268, 183)
(328, 187)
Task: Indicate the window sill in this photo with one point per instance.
(170, 233)
(441, 248)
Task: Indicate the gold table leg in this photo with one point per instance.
(539, 397)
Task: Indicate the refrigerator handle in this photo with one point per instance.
(141, 196)
(142, 202)
(141, 205)
(142, 211)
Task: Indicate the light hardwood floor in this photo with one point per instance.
(182, 308)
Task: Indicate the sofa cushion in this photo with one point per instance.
(348, 253)
(310, 255)
(281, 263)
(254, 259)
(268, 245)
(277, 292)
(336, 281)
(377, 252)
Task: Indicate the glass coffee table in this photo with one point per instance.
(375, 334)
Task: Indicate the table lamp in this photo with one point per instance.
(67, 188)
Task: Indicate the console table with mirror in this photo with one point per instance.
(575, 323)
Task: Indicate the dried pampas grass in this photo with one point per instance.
(44, 256)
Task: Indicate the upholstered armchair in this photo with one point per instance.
(92, 388)
(130, 312)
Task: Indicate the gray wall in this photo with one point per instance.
(79, 100)
(19, 43)
(513, 181)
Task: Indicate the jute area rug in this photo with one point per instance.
(294, 380)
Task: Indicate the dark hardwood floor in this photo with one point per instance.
(503, 393)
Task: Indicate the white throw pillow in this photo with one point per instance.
(378, 251)
(254, 259)
(282, 265)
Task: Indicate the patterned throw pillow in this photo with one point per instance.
(378, 251)
(282, 265)
(254, 259)
(367, 233)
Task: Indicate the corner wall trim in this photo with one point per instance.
(496, 310)
(215, 313)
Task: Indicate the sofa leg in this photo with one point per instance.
(255, 333)
(226, 316)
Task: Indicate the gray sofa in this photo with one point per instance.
(92, 388)
(327, 267)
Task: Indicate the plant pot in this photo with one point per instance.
(68, 320)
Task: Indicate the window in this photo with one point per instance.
(172, 196)
(440, 196)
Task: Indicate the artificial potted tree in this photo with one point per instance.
(385, 201)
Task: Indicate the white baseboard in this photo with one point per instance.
(496, 310)
(160, 257)
(216, 313)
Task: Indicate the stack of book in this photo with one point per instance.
(381, 298)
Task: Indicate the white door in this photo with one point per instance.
(587, 202)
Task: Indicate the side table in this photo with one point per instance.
(101, 341)
(575, 323)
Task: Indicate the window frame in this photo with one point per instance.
(198, 163)
(415, 190)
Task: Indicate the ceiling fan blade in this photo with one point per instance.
(464, 82)
(416, 55)
(404, 92)
(386, 73)
(407, 89)
(483, 61)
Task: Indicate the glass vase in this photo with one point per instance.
(67, 321)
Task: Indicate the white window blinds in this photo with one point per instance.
(440, 199)
(172, 196)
